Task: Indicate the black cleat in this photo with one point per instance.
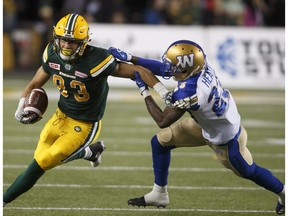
(280, 209)
(137, 201)
(97, 149)
(141, 202)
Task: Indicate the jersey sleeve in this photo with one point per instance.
(45, 56)
(106, 65)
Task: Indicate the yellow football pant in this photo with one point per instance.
(62, 138)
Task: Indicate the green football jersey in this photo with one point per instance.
(82, 84)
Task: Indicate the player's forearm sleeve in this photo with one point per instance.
(152, 65)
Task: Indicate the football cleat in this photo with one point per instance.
(280, 209)
(161, 200)
(96, 149)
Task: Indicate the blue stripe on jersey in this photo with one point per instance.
(186, 88)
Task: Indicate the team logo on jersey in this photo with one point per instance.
(80, 74)
(68, 66)
(185, 60)
(77, 128)
(54, 66)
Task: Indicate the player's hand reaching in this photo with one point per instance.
(144, 90)
(119, 54)
(168, 100)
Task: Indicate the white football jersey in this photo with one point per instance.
(212, 106)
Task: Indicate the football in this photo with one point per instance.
(36, 102)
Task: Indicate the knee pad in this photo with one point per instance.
(45, 160)
(164, 136)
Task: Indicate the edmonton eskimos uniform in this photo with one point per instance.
(83, 92)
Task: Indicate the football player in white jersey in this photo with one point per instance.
(214, 121)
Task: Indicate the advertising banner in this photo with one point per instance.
(242, 57)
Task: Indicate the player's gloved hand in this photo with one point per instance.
(185, 103)
(144, 90)
(20, 113)
(30, 118)
(168, 100)
(119, 54)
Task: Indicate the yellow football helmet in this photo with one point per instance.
(183, 59)
(71, 28)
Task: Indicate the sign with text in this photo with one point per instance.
(242, 57)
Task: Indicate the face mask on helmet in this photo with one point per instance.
(182, 59)
(72, 29)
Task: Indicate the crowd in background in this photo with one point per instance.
(170, 12)
(39, 16)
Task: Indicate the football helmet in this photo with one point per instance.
(72, 28)
(182, 59)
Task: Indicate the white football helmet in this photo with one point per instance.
(183, 59)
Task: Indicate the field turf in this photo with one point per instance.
(198, 184)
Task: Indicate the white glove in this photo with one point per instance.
(168, 100)
(185, 103)
(19, 114)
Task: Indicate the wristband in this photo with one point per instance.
(160, 89)
(145, 93)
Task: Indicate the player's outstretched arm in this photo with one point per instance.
(153, 65)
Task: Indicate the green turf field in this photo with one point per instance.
(198, 184)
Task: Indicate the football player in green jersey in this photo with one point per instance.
(80, 73)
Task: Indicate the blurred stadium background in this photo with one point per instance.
(244, 40)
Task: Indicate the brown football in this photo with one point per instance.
(36, 102)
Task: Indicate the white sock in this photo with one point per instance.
(282, 196)
(88, 153)
(159, 189)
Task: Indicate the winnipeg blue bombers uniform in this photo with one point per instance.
(214, 121)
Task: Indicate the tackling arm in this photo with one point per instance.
(127, 71)
(162, 118)
(153, 65)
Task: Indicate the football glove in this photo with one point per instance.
(25, 117)
(141, 85)
(30, 118)
(119, 54)
(185, 103)
(19, 114)
(168, 100)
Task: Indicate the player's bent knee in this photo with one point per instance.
(164, 136)
(45, 161)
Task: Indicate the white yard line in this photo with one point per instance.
(139, 209)
(131, 168)
(148, 154)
